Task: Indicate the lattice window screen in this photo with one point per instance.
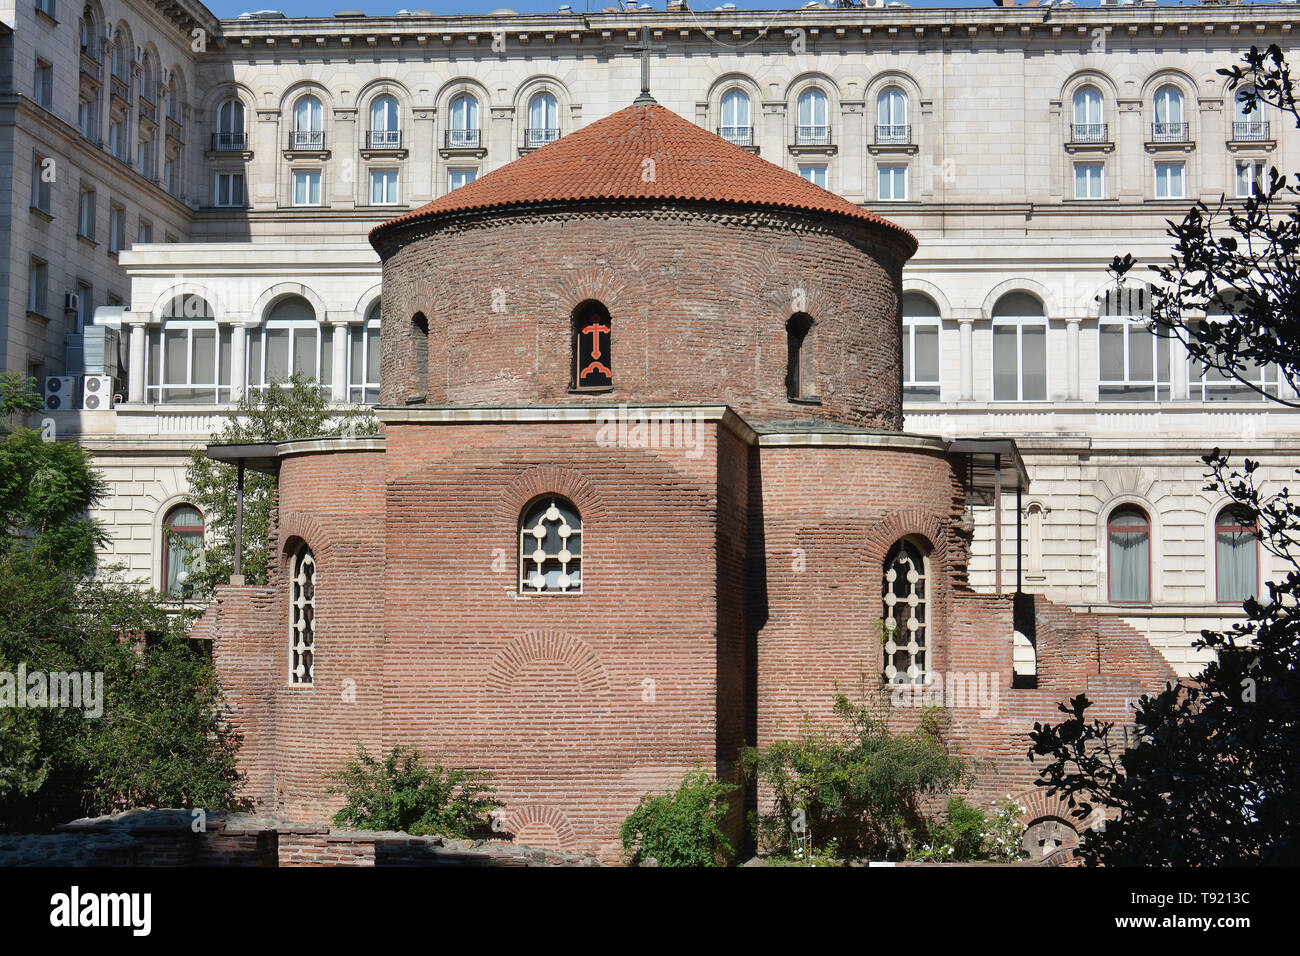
(906, 615)
(550, 548)
(302, 622)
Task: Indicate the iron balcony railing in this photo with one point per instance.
(121, 89)
(462, 138)
(1248, 130)
(737, 135)
(534, 138)
(812, 135)
(1088, 133)
(384, 139)
(229, 142)
(1168, 132)
(893, 134)
(310, 139)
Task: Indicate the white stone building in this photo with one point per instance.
(1025, 146)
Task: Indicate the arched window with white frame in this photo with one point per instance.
(1248, 126)
(1134, 356)
(230, 135)
(1019, 349)
(385, 123)
(464, 131)
(813, 127)
(1128, 551)
(737, 126)
(182, 547)
(543, 121)
(1236, 556)
(906, 591)
(1209, 384)
(1170, 122)
(1088, 125)
(550, 547)
(308, 124)
(921, 332)
(302, 617)
(289, 342)
(891, 116)
(189, 355)
(363, 360)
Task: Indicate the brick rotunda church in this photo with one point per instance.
(642, 498)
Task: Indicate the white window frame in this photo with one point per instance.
(357, 389)
(1159, 383)
(1256, 177)
(319, 182)
(892, 169)
(159, 385)
(219, 195)
(391, 193)
(910, 324)
(543, 119)
(1020, 323)
(735, 112)
(812, 117)
(1093, 106)
(1100, 180)
(452, 173)
(296, 327)
(1168, 168)
(810, 171)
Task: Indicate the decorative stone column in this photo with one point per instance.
(238, 359)
(137, 373)
(967, 330)
(339, 374)
(1072, 358)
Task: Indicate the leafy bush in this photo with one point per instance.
(967, 833)
(853, 781)
(682, 827)
(399, 793)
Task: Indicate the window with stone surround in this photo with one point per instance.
(907, 614)
(593, 364)
(1019, 349)
(1236, 556)
(182, 545)
(1128, 533)
(1134, 356)
(920, 348)
(189, 355)
(302, 618)
(288, 342)
(550, 547)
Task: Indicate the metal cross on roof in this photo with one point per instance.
(644, 48)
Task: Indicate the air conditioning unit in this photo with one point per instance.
(59, 392)
(97, 392)
(874, 4)
(71, 302)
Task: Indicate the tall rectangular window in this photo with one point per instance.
(306, 187)
(116, 228)
(1169, 181)
(86, 110)
(85, 305)
(43, 85)
(893, 182)
(1250, 173)
(144, 233)
(46, 7)
(86, 213)
(1020, 362)
(1088, 180)
(38, 285)
(42, 170)
(815, 173)
(1134, 360)
(383, 187)
(920, 348)
(229, 190)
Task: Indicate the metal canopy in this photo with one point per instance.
(263, 457)
(986, 454)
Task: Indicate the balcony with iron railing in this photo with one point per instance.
(893, 134)
(91, 67)
(737, 135)
(1250, 131)
(307, 140)
(1089, 133)
(384, 139)
(812, 135)
(1169, 132)
(533, 138)
(229, 142)
(121, 89)
(462, 139)
(147, 110)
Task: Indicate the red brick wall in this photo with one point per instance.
(698, 301)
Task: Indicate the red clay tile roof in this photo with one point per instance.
(607, 160)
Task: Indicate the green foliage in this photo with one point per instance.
(1005, 833)
(966, 833)
(399, 793)
(295, 409)
(854, 781)
(681, 827)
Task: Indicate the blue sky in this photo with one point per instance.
(302, 8)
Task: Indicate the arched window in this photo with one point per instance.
(308, 124)
(1208, 384)
(385, 123)
(736, 126)
(89, 30)
(1236, 556)
(302, 617)
(419, 358)
(1248, 126)
(593, 333)
(920, 348)
(1170, 124)
(800, 361)
(147, 79)
(814, 127)
(182, 544)
(1019, 349)
(1088, 126)
(363, 360)
(550, 547)
(1129, 547)
(464, 130)
(907, 614)
(189, 355)
(230, 125)
(1134, 357)
(288, 342)
(121, 58)
(891, 116)
(543, 121)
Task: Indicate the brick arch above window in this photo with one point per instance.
(922, 528)
(547, 480)
(534, 646)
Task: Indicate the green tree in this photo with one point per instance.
(282, 412)
(1209, 777)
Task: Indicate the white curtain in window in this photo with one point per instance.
(1130, 559)
(1234, 552)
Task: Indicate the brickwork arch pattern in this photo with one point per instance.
(545, 646)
